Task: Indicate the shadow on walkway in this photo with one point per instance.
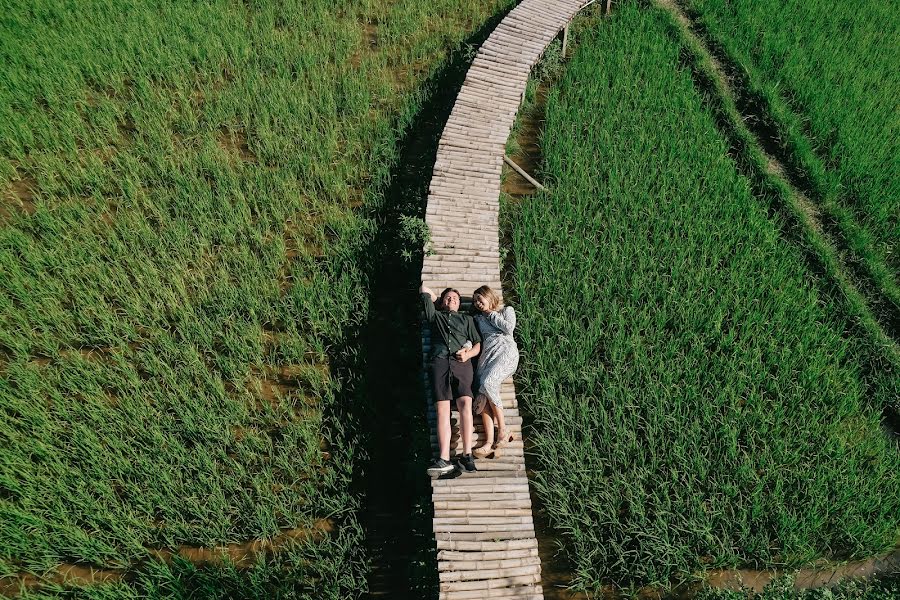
(396, 491)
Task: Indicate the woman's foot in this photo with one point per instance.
(503, 439)
(483, 451)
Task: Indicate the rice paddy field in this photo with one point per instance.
(188, 195)
(700, 395)
(827, 81)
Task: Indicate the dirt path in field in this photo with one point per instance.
(876, 316)
(823, 576)
(242, 555)
(18, 197)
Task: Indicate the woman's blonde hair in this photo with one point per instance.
(492, 297)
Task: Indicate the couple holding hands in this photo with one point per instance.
(456, 338)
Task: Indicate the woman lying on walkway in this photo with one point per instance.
(454, 340)
(498, 362)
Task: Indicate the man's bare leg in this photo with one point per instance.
(464, 406)
(442, 408)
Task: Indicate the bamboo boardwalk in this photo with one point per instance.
(482, 521)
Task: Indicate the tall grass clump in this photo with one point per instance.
(699, 399)
(189, 191)
(826, 79)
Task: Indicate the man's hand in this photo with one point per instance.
(427, 290)
(462, 355)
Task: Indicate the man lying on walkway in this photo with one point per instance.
(454, 340)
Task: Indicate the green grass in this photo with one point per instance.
(828, 83)
(188, 191)
(700, 397)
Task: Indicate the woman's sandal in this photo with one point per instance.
(503, 439)
(482, 451)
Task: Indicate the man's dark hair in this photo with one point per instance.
(448, 290)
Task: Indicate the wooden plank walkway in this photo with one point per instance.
(482, 521)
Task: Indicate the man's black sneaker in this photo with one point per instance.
(467, 463)
(439, 467)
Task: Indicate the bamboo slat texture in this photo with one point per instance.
(482, 521)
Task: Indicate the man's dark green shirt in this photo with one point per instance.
(449, 330)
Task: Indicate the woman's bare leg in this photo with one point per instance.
(502, 434)
(488, 423)
(442, 408)
(501, 422)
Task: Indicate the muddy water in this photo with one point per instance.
(531, 125)
(244, 555)
(823, 576)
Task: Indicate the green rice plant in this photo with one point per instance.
(827, 83)
(700, 398)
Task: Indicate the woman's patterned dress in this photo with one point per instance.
(499, 355)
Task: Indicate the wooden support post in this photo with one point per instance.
(565, 39)
(608, 7)
(522, 172)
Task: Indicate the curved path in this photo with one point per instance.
(482, 521)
